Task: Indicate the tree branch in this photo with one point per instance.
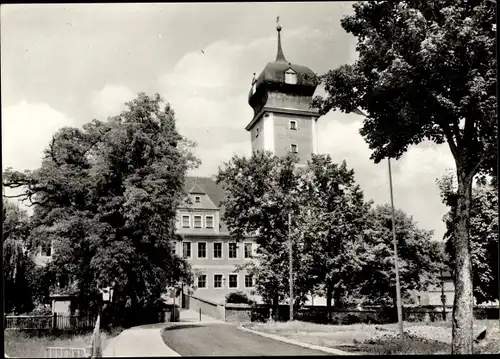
(449, 138)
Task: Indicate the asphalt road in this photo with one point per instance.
(223, 339)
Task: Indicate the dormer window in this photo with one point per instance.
(197, 199)
(290, 77)
(294, 148)
(293, 125)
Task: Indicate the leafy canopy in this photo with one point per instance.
(106, 196)
(426, 71)
(483, 232)
(419, 258)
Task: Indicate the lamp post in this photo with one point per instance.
(398, 286)
(106, 296)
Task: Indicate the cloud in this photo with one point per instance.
(208, 90)
(27, 129)
(414, 175)
(110, 100)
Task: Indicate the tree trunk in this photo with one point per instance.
(329, 295)
(275, 308)
(337, 296)
(463, 305)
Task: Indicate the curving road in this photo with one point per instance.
(224, 339)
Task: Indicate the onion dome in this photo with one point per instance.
(274, 77)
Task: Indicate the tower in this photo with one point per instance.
(283, 120)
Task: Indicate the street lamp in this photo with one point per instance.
(106, 296)
(396, 266)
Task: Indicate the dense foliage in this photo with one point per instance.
(483, 232)
(419, 257)
(342, 247)
(427, 71)
(106, 197)
(22, 278)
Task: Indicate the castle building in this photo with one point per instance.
(207, 245)
(283, 120)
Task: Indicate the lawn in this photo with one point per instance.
(421, 338)
(33, 344)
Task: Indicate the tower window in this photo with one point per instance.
(290, 77)
(294, 148)
(257, 132)
(293, 125)
(197, 199)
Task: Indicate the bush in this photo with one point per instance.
(238, 298)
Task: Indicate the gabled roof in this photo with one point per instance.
(196, 190)
(209, 187)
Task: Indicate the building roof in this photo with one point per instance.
(209, 187)
(274, 74)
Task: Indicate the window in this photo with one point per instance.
(257, 132)
(46, 249)
(233, 250)
(290, 77)
(186, 249)
(174, 247)
(197, 221)
(294, 148)
(293, 125)
(209, 221)
(217, 250)
(202, 250)
(202, 281)
(217, 280)
(197, 199)
(233, 281)
(248, 250)
(185, 222)
(248, 281)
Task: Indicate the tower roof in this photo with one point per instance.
(274, 73)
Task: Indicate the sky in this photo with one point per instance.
(65, 64)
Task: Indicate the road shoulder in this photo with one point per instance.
(294, 342)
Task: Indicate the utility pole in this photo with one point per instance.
(290, 256)
(398, 287)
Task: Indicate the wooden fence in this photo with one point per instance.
(46, 322)
(61, 352)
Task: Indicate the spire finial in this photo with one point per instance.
(280, 56)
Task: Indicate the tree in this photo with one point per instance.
(419, 257)
(261, 193)
(332, 218)
(483, 232)
(18, 265)
(426, 71)
(106, 196)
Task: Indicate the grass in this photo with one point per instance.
(422, 338)
(32, 344)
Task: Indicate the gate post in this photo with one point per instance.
(54, 320)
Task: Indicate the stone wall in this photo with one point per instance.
(237, 313)
(209, 308)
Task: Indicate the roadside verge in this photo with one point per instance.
(294, 342)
